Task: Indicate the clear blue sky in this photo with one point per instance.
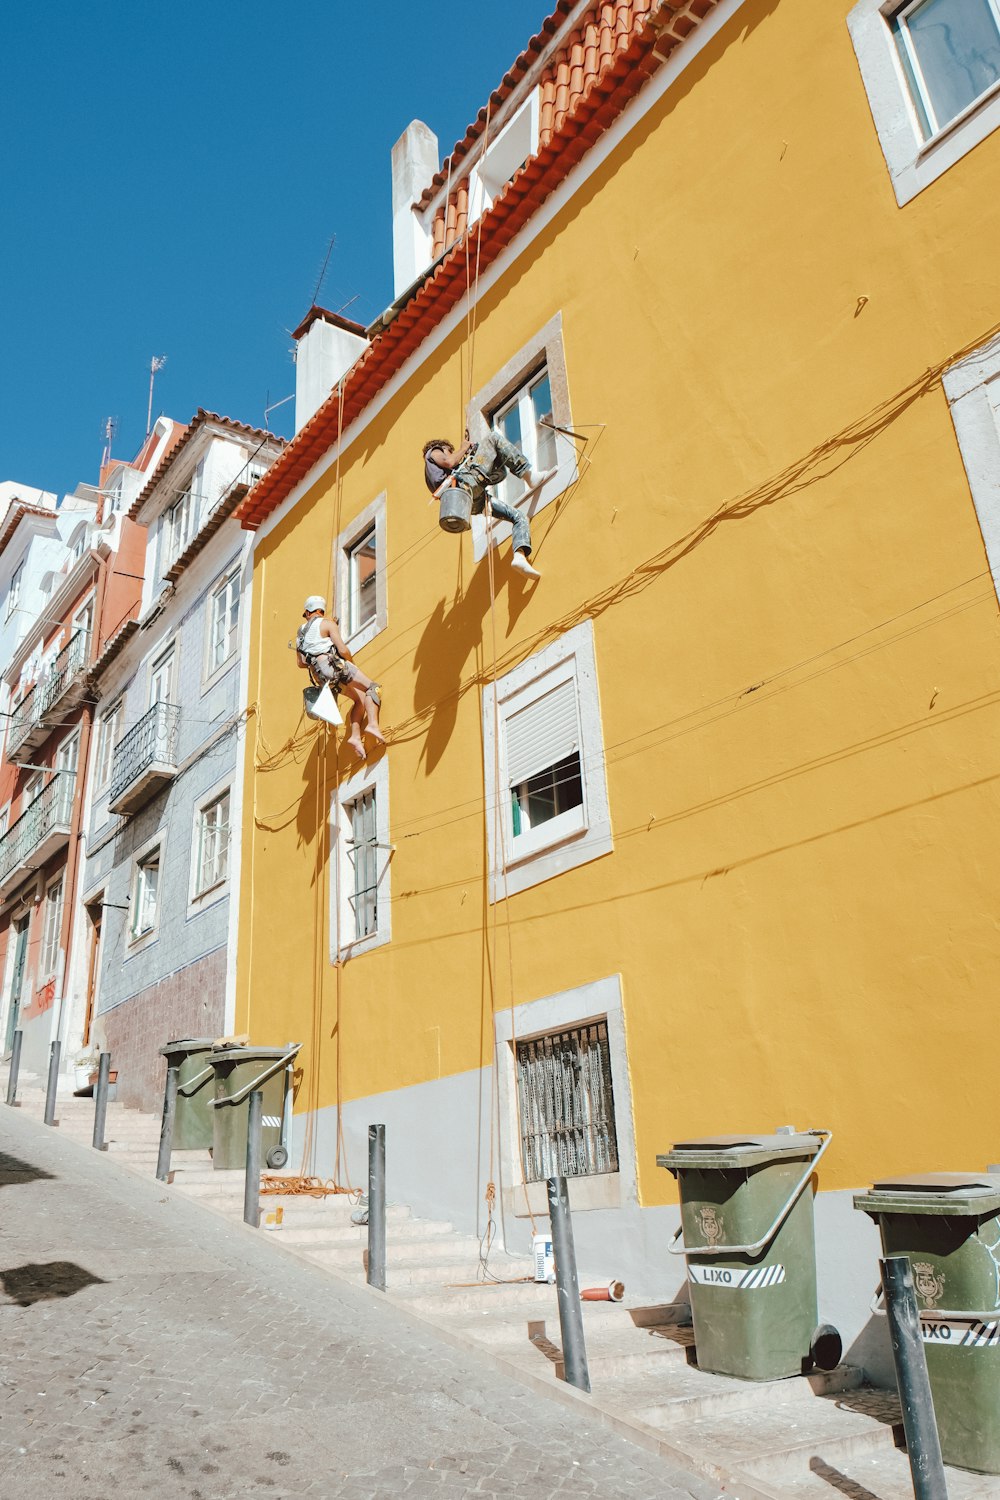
(171, 175)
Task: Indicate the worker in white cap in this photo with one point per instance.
(320, 649)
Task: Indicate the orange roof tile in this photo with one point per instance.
(592, 76)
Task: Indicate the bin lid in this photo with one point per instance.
(737, 1150)
(933, 1193)
(248, 1054)
(187, 1044)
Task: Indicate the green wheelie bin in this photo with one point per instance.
(238, 1072)
(192, 1057)
(747, 1233)
(948, 1223)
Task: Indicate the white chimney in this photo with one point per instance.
(414, 163)
(326, 346)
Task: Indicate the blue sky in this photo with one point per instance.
(171, 176)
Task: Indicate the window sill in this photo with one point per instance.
(364, 637)
(547, 837)
(217, 675)
(208, 897)
(596, 1192)
(138, 944)
(482, 536)
(362, 946)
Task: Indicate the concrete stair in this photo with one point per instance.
(819, 1436)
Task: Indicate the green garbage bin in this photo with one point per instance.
(747, 1227)
(192, 1057)
(948, 1223)
(238, 1072)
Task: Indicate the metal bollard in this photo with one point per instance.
(376, 1206)
(52, 1083)
(923, 1446)
(101, 1102)
(251, 1182)
(167, 1124)
(567, 1286)
(15, 1064)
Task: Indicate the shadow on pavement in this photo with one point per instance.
(14, 1170)
(842, 1483)
(39, 1283)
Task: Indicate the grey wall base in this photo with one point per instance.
(438, 1162)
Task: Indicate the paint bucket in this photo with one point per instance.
(456, 509)
(272, 1218)
(541, 1251)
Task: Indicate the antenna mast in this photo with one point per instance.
(109, 431)
(155, 364)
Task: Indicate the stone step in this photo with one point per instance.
(432, 1274)
(443, 1303)
(779, 1439)
(445, 1252)
(697, 1393)
(881, 1475)
(350, 1235)
(509, 1324)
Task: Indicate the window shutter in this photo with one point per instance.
(542, 733)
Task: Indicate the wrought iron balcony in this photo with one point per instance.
(29, 728)
(145, 759)
(40, 831)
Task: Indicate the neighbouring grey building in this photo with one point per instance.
(166, 773)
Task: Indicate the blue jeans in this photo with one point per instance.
(494, 458)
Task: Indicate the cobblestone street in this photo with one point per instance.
(148, 1348)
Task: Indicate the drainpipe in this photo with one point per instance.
(76, 832)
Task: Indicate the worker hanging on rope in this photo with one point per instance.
(320, 649)
(472, 469)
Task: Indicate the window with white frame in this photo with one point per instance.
(359, 564)
(528, 401)
(931, 70)
(14, 591)
(224, 621)
(362, 856)
(525, 419)
(161, 678)
(544, 766)
(973, 391)
(108, 736)
(565, 1101)
(48, 956)
(179, 523)
(504, 155)
(145, 895)
(212, 844)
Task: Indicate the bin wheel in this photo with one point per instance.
(277, 1157)
(825, 1347)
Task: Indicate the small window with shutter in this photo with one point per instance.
(547, 772)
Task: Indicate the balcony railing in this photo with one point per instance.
(48, 690)
(145, 759)
(39, 831)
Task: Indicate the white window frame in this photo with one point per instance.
(369, 778)
(166, 656)
(83, 616)
(602, 999)
(4, 818)
(14, 590)
(913, 162)
(202, 893)
(973, 391)
(140, 860)
(521, 371)
(512, 146)
(373, 517)
(48, 947)
(229, 580)
(570, 839)
(108, 735)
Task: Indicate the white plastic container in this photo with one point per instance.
(541, 1250)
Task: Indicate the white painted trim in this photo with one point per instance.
(913, 163)
(374, 514)
(589, 1002)
(973, 391)
(645, 101)
(239, 774)
(198, 900)
(133, 944)
(211, 675)
(559, 846)
(369, 778)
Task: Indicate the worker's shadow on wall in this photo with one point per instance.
(446, 655)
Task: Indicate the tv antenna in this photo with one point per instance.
(155, 365)
(322, 275)
(109, 431)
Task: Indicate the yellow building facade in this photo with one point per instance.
(763, 648)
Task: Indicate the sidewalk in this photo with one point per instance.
(151, 1349)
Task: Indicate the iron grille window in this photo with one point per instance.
(566, 1104)
(363, 854)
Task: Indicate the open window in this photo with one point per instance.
(145, 897)
(212, 839)
(223, 622)
(931, 70)
(504, 155)
(544, 766)
(48, 954)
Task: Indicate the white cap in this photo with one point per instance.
(313, 603)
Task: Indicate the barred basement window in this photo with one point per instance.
(566, 1104)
